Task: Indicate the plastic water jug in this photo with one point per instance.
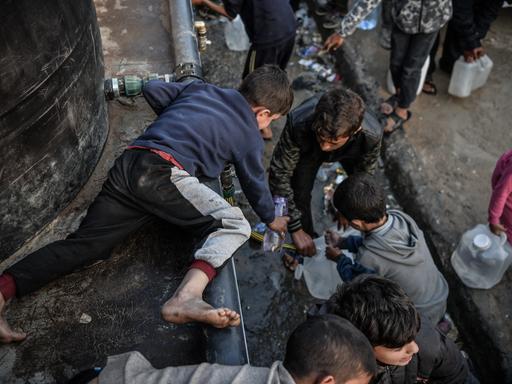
(467, 77)
(424, 69)
(235, 35)
(481, 258)
(320, 274)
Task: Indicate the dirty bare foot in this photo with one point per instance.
(7, 335)
(182, 308)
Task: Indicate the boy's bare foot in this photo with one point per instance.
(181, 309)
(7, 335)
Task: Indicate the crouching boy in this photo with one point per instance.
(407, 349)
(198, 129)
(392, 245)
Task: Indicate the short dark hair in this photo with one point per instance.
(339, 112)
(379, 308)
(328, 345)
(268, 86)
(360, 196)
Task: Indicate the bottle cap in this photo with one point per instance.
(482, 242)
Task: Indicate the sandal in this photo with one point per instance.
(431, 90)
(388, 106)
(398, 122)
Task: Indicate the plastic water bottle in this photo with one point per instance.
(466, 77)
(235, 35)
(272, 241)
(481, 258)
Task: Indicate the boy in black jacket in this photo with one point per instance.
(199, 128)
(407, 349)
(325, 128)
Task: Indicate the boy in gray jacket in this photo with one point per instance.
(392, 244)
(323, 350)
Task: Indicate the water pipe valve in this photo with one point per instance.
(131, 85)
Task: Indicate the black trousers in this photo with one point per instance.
(408, 54)
(140, 186)
(277, 54)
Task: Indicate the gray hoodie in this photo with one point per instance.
(398, 251)
(133, 368)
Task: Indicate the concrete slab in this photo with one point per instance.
(440, 170)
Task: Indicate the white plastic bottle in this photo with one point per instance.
(467, 77)
(481, 258)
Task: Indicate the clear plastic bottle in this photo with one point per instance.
(273, 241)
(481, 258)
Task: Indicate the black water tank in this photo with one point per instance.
(53, 120)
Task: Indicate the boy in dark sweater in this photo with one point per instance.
(199, 128)
(270, 25)
(407, 349)
(392, 244)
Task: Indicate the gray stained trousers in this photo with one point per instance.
(140, 186)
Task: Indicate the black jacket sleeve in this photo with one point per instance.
(284, 161)
(472, 19)
(372, 130)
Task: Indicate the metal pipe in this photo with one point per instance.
(224, 346)
(184, 40)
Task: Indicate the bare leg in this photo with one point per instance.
(187, 304)
(7, 335)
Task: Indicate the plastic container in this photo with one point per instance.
(481, 258)
(466, 77)
(272, 241)
(320, 274)
(424, 69)
(235, 35)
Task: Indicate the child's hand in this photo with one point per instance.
(333, 42)
(280, 225)
(332, 238)
(497, 229)
(332, 253)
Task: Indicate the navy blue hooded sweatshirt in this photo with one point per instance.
(204, 127)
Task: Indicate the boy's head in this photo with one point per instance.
(269, 93)
(338, 115)
(381, 310)
(328, 349)
(360, 202)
